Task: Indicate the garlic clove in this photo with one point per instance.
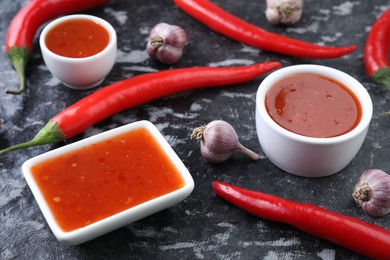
(220, 137)
(218, 141)
(372, 192)
(287, 12)
(169, 54)
(166, 43)
(272, 15)
(213, 157)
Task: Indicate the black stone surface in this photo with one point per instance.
(203, 226)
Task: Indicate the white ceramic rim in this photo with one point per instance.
(111, 31)
(75, 234)
(355, 86)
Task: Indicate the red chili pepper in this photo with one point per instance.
(376, 50)
(231, 26)
(25, 24)
(135, 91)
(355, 234)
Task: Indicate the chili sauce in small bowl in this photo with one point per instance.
(313, 105)
(311, 120)
(101, 183)
(79, 50)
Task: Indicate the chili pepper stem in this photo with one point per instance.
(382, 76)
(19, 57)
(50, 133)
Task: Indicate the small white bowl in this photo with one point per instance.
(80, 73)
(122, 218)
(309, 156)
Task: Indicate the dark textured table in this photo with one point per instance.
(203, 226)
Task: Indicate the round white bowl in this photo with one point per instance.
(310, 156)
(80, 73)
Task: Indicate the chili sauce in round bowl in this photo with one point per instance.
(77, 38)
(311, 120)
(104, 182)
(79, 50)
(313, 105)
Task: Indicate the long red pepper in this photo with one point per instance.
(233, 27)
(135, 91)
(376, 50)
(357, 235)
(25, 24)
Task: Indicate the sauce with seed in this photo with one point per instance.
(77, 38)
(100, 180)
(313, 105)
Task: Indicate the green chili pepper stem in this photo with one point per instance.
(382, 76)
(19, 57)
(50, 133)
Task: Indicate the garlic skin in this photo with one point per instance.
(218, 142)
(166, 43)
(287, 12)
(372, 192)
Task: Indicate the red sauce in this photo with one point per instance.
(313, 105)
(100, 180)
(77, 38)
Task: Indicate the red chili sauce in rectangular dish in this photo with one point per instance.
(104, 178)
(313, 105)
(77, 38)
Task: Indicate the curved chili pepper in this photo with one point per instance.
(135, 91)
(376, 50)
(231, 26)
(352, 233)
(25, 24)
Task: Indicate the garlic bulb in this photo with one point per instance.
(218, 141)
(372, 192)
(286, 12)
(166, 43)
